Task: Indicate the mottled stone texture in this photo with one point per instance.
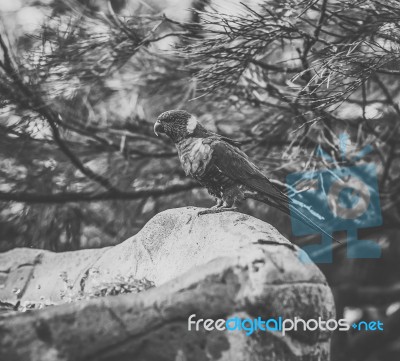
(215, 266)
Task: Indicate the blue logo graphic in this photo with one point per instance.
(344, 198)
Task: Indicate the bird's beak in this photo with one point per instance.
(158, 128)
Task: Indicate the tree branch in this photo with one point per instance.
(67, 197)
(51, 117)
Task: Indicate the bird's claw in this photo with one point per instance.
(216, 209)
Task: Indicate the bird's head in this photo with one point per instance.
(176, 124)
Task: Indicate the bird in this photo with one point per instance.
(219, 165)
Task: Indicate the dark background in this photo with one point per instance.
(82, 82)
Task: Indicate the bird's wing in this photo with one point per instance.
(235, 143)
(213, 135)
(236, 165)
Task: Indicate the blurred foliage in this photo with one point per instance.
(80, 166)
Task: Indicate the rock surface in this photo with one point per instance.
(215, 266)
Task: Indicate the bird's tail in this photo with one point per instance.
(281, 202)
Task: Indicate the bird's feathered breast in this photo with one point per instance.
(195, 155)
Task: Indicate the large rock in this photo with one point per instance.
(215, 266)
